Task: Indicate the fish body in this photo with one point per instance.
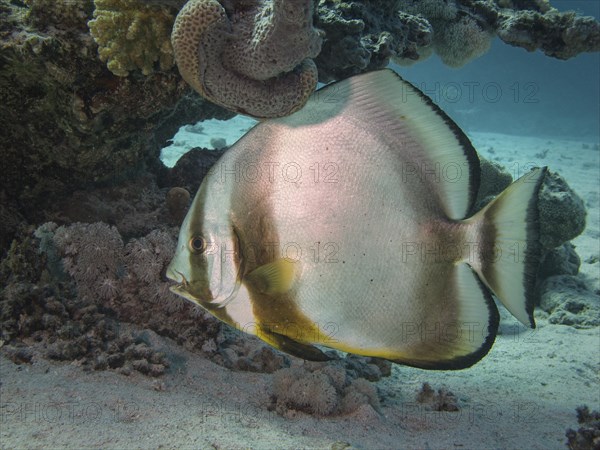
(345, 225)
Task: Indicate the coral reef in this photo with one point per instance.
(66, 122)
(69, 14)
(250, 57)
(460, 42)
(569, 302)
(587, 437)
(135, 207)
(11, 220)
(132, 35)
(362, 36)
(560, 35)
(365, 35)
(559, 291)
(76, 292)
(562, 211)
(238, 351)
(331, 388)
(106, 272)
(457, 38)
(47, 319)
(494, 179)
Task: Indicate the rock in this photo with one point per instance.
(562, 260)
(562, 212)
(191, 168)
(494, 179)
(218, 143)
(569, 302)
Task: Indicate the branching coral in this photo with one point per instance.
(132, 35)
(251, 57)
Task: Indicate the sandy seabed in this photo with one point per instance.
(523, 394)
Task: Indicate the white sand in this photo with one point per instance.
(522, 395)
(201, 134)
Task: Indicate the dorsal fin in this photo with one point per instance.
(429, 143)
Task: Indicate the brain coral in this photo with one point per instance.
(251, 57)
(132, 35)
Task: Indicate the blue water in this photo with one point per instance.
(509, 90)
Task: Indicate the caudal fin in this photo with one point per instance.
(509, 261)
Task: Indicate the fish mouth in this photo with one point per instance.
(185, 289)
(182, 288)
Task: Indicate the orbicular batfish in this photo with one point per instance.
(346, 225)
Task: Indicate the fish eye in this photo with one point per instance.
(197, 244)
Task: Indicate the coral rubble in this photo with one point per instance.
(250, 57)
(442, 400)
(587, 437)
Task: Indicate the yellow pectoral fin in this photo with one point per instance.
(273, 278)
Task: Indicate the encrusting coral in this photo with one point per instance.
(132, 35)
(254, 58)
